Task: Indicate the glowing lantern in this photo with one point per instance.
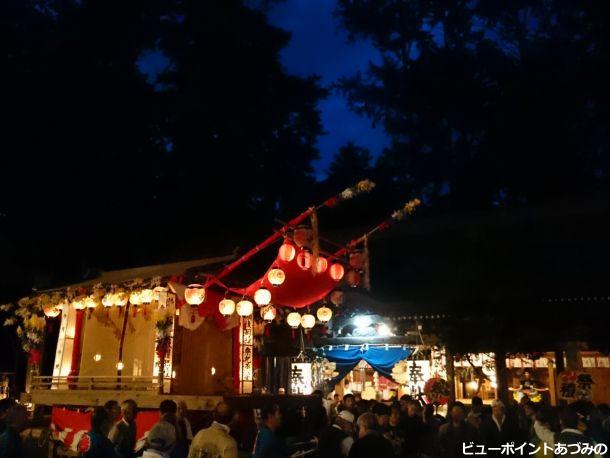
(302, 235)
(226, 307)
(157, 292)
(356, 259)
(268, 313)
(120, 299)
(90, 302)
(262, 296)
(194, 294)
(108, 300)
(97, 357)
(287, 252)
(324, 314)
(135, 298)
(294, 320)
(353, 278)
(276, 277)
(50, 311)
(304, 259)
(244, 307)
(321, 265)
(120, 365)
(146, 296)
(308, 321)
(336, 271)
(78, 304)
(337, 297)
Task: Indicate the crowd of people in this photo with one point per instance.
(333, 428)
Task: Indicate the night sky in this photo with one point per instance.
(319, 46)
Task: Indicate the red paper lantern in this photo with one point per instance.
(321, 265)
(304, 259)
(336, 271)
(337, 297)
(356, 259)
(287, 252)
(353, 278)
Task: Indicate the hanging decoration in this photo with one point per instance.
(146, 296)
(304, 259)
(353, 278)
(337, 271)
(262, 296)
(302, 236)
(287, 252)
(276, 277)
(244, 307)
(308, 321)
(226, 307)
(324, 314)
(121, 298)
(268, 313)
(294, 320)
(337, 297)
(194, 294)
(108, 300)
(320, 265)
(29, 322)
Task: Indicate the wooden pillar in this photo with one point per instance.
(77, 344)
(502, 386)
(450, 374)
(552, 382)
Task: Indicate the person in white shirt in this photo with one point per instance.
(215, 441)
(161, 440)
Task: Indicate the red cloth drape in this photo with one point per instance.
(300, 289)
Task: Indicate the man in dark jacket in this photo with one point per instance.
(95, 444)
(123, 433)
(336, 440)
(499, 429)
(457, 432)
(370, 443)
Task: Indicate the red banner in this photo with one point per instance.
(68, 426)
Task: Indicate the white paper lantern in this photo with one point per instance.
(324, 314)
(321, 265)
(120, 299)
(244, 307)
(287, 252)
(268, 313)
(90, 302)
(146, 296)
(226, 307)
(135, 298)
(276, 277)
(194, 294)
(308, 321)
(294, 320)
(337, 271)
(108, 300)
(78, 304)
(262, 297)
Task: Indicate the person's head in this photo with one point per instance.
(345, 420)
(101, 421)
(404, 401)
(349, 401)
(336, 397)
(476, 403)
(281, 391)
(168, 406)
(223, 413)
(183, 408)
(162, 437)
(498, 409)
(475, 419)
(5, 405)
(114, 409)
(395, 414)
(457, 412)
(413, 408)
(367, 423)
(382, 412)
(271, 416)
(527, 375)
(568, 419)
(129, 410)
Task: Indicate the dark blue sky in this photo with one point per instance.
(320, 46)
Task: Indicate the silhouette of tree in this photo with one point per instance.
(351, 164)
(105, 166)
